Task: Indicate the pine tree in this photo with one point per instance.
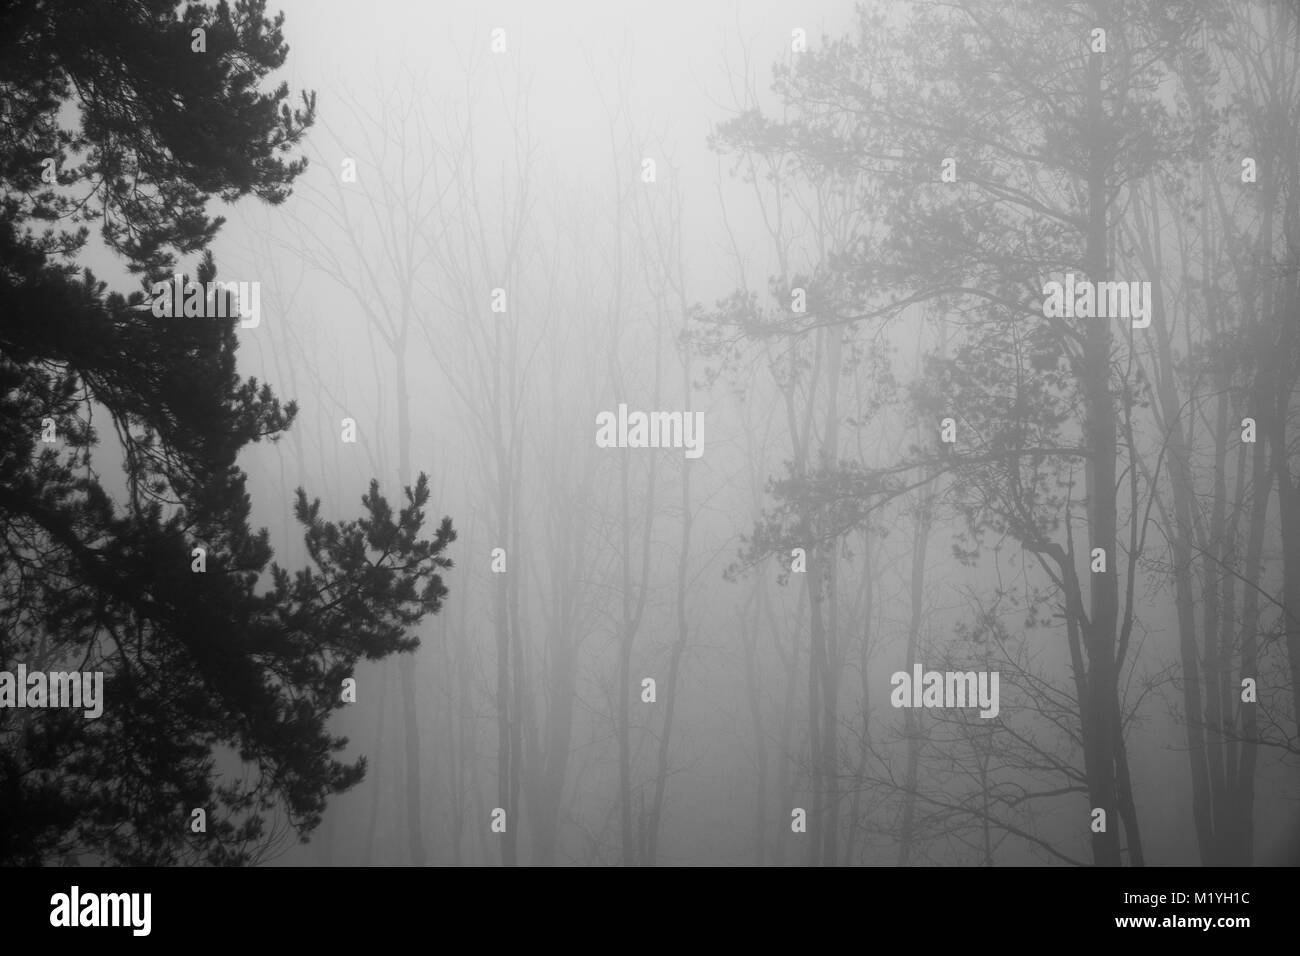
(243, 662)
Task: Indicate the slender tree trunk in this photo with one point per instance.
(833, 663)
(816, 668)
(1243, 836)
(519, 674)
(1281, 305)
(504, 739)
(459, 705)
(786, 778)
(1288, 507)
(410, 718)
(376, 756)
(679, 646)
(912, 715)
(625, 673)
(753, 685)
(1099, 731)
(631, 624)
(1176, 424)
(864, 674)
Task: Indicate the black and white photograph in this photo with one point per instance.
(685, 434)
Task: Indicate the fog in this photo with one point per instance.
(601, 271)
(870, 451)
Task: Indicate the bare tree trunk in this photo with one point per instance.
(376, 755)
(411, 725)
(505, 739)
(816, 670)
(625, 673)
(1288, 500)
(786, 776)
(753, 684)
(680, 644)
(520, 710)
(1176, 426)
(864, 674)
(833, 662)
(1100, 707)
(632, 622)
(1243, 817)
(560, 683)
(912, 715)
(459, 720)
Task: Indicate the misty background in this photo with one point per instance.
(523, 171)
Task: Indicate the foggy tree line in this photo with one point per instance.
(644, 658)
(922, 303)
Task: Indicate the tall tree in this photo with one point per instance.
(1042, 114)
(206, 655)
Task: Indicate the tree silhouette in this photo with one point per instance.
(219, 662)
(1050, 114)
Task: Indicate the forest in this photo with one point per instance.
(695, 434)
